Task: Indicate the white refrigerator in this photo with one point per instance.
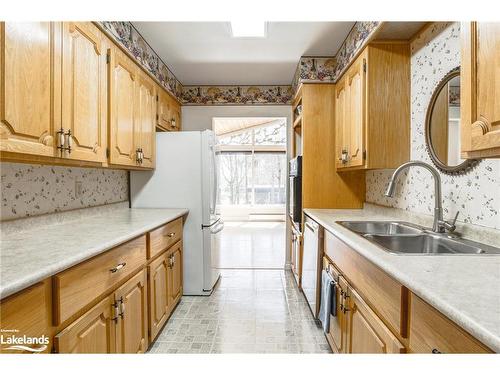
(186, 177)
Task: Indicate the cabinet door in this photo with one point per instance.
(158, 294)
(122, 107)
(26, 313)
(84, 106)
(480, 88)
(175, 278)
(341, 128)
(29, 87)
(175, 113)
(355, 82)
(337, 322)
(146, 119)
(94, 332)
(163, 109)
(132, 327)
(365, 332)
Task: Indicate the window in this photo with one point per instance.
(253, 166)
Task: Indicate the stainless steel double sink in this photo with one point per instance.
(404, 238)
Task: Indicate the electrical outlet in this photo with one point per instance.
(78, 189)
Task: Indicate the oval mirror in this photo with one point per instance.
(442, 126)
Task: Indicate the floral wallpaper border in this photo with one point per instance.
(309, 69)
(329, 69)
(236, 95)
(125, 34)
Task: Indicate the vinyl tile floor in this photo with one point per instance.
(252, 244)
(250, 311)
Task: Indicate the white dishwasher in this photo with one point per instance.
(311, 264)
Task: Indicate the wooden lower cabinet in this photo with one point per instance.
(159, 306)
(132, 325)
(432, 332)
(365, 332)
(27, 313)
(93, 332)
(175, 274)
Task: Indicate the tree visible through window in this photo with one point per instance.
(252, 166)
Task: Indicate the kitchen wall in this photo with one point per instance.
(476, 194)
(200, 117)
(29, 190)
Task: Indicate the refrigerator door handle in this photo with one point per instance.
(216, 182)
(217, 228)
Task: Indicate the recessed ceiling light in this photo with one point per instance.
(248, 29)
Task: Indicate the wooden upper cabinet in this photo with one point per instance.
(132, 327)
(30, 87)
(84, 89)
(175, 121)
(341, 126)
(92, 333)
(163, 110)
(373, 95)
(169, 112)
(355, 84)
(146, 119)
(365, 332)
(122, 108)
(480, 89)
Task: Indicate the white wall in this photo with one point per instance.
(200, 118)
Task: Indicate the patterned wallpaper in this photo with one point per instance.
(125, 34)
(476, 194)
(329, 69)
(29, 190)
(309, 69)
(237, 95)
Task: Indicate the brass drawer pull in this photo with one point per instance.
(118, 267)
(171, 234)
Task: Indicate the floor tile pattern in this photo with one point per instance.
(252, 245)
(251, 311)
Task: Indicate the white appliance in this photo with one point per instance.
(311, 264)
(186, 176)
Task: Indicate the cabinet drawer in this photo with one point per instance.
(81, 284)
(432, 332)
(164, 237)
(383, 294)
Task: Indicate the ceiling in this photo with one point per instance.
(205, 53)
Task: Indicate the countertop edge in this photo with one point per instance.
(464, 321)
(34, 278)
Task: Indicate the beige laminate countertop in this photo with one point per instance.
(465, 288)
(41, 248)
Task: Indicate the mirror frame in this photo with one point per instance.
(461, 168)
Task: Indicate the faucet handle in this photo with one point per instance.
(450, 226)
(455, 218)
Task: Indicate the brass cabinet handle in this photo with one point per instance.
(171, 234)
(117, 313)
(171, 261)
(118, 267)
(122, 308)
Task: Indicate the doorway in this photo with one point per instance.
(252, 175)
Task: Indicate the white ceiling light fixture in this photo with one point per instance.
(248, 29)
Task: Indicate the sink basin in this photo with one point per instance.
(381, 227)
(423, 244)
(410, 239)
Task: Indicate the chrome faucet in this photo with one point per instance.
(439, 225)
